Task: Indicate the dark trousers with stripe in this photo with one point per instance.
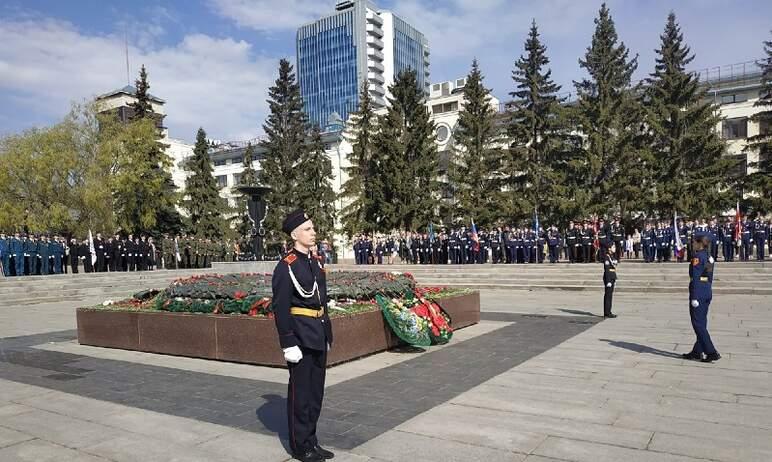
(699, 317)
(304, 398)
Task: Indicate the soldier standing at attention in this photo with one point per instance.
(609, 279)
(305, 335)
(700, 296)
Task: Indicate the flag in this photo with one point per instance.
(91, 248)
(678, 244)
(177, 250)
(595, 228)
(475, 239)
(738, 225)
(431, 232)
(535, 220)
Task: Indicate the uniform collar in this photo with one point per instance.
(300, 254)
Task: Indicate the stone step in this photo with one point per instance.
(599, 288)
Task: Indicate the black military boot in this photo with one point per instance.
(308, 456)
(709, 358)
(323, 452)
(692, 356)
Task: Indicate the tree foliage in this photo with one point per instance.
(315, 194)
(206, 209)
(759, 182)
(476, 167)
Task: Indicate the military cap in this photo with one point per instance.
(293, 220)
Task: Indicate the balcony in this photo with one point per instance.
(375, 65)
(377, 90)
(376, 77)
(375, 30)
(375, 53)
(374, 18)
(375, 42)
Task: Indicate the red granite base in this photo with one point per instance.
(244, 339)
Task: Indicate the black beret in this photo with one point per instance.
(293, 220)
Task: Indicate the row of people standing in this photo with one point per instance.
(30, 254)
(583, 241)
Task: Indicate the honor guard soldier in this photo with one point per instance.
(726, 234)
(760, 235)
(553, 241)
(5, 254)
(43, 251)
(609, 279)
(58, 252)
(713, 235)
(683, 235)
(305, 335)
(496, 246)
(618, 236)
(571, 242)
(701, 272)
(99, 248)
(74, 255)
(747, 242)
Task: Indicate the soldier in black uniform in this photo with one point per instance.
(99, 248)
(609, 279)
(305, 335)
(571, 243)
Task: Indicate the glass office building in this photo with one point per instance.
(336, 53)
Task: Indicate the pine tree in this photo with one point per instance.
(315, 194)
(248, 178)
(541, 146)
(614, 169)
(168, 218)
(358, 215)
(285, 146)
(690, 173)
(476, 171)
(405, 157)
(204, 204)
(759, 183)
(142, 106)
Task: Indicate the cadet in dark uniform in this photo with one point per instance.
(609, 279)
(760, 234)
(305, 335)
(700, 296)
(74, 255)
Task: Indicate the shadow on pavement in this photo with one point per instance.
(273, 416)
(641, 348)
(578, 312)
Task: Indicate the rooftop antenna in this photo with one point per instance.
(126, 45)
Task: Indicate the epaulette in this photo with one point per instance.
(290, 259)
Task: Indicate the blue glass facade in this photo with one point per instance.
(409, 51)
(327, 67)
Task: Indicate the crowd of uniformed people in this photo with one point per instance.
(582, 241)
(32, 254)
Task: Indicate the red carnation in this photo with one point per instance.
(239, 294)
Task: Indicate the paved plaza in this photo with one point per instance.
(542, 378)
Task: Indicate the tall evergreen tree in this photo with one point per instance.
(759, 183)
(168, 219)
(204, 205)
(285, 146)
(359, 214)
(405, 156)
(248, 178)
(542, 145)
(315, 194)
(476, 170)
(615, 165)
(142, 106)
(690, 173)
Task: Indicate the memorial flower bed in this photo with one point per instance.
(411, 312)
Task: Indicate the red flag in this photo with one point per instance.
(738, 226)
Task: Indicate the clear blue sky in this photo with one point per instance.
(212, 60)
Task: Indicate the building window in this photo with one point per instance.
(460, 83)
(734, 129)
(219, 162)
(237, 160)
(447, 107)
(237, 178)
(765, 127)
(738, 98)
(436, 87)
(740, 168)
(222, 181)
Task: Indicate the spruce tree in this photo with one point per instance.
(248, 178)
(315, 194)
(541, 143)
(358, 215)
(204, 205)
(168, 218)
(615, 165)
(759, 182)
(476, 169)
(405, 157)
(142, 106)
(285, 146)
(689, 171)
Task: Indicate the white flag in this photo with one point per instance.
(91, 248)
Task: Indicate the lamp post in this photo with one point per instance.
(257, 208)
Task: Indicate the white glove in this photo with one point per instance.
(608, 284)
(328, 346)
(293, 354)
(695, 303)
